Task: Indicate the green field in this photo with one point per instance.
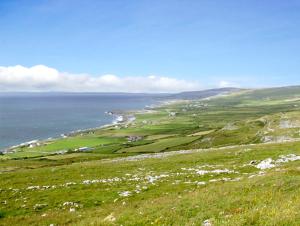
(227, 160)
(160, 145)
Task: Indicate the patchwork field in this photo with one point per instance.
(225, 160)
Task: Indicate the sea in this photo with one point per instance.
(37, 116)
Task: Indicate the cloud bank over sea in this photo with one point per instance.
(43, 78)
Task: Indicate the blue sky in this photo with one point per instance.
(244, 43)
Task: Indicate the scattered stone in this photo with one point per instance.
(71, 204)
(125, 193)
(270, 163)
(39, 206)
(72, 209)
(201, 183)
(229, 127)
(110, 218)
(287, 124)
(265, 164)
(207, 223)
(70, 183)
(33, 187)
(287, 158)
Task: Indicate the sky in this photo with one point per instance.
(148, 46)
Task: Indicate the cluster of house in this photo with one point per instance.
(6, 151)
(35, 143)
(81, 149)
(29, 144)
(134, 138)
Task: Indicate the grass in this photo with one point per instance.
(157, 137)
(145, 183)
(75, 142)
(160, 145)
(169, 200)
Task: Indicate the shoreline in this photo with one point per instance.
(66, 135)
(120, 117)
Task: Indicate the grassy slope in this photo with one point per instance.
(176, 199)
(164, 189)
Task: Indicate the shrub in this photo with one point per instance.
(2, 214)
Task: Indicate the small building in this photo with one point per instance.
(61, 152)
(83, 149)
(172, 114)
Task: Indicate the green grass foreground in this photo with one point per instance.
(229, 160)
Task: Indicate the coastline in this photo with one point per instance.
(119, 118)
(69, 134)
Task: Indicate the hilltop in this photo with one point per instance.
(193, 95)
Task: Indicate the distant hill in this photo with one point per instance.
(263, 96)
(191, 95)
(274, 93)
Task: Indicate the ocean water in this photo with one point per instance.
(30, 116)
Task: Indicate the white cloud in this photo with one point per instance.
(223, 84)
(43, 78)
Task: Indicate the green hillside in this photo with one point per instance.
(232, 159)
